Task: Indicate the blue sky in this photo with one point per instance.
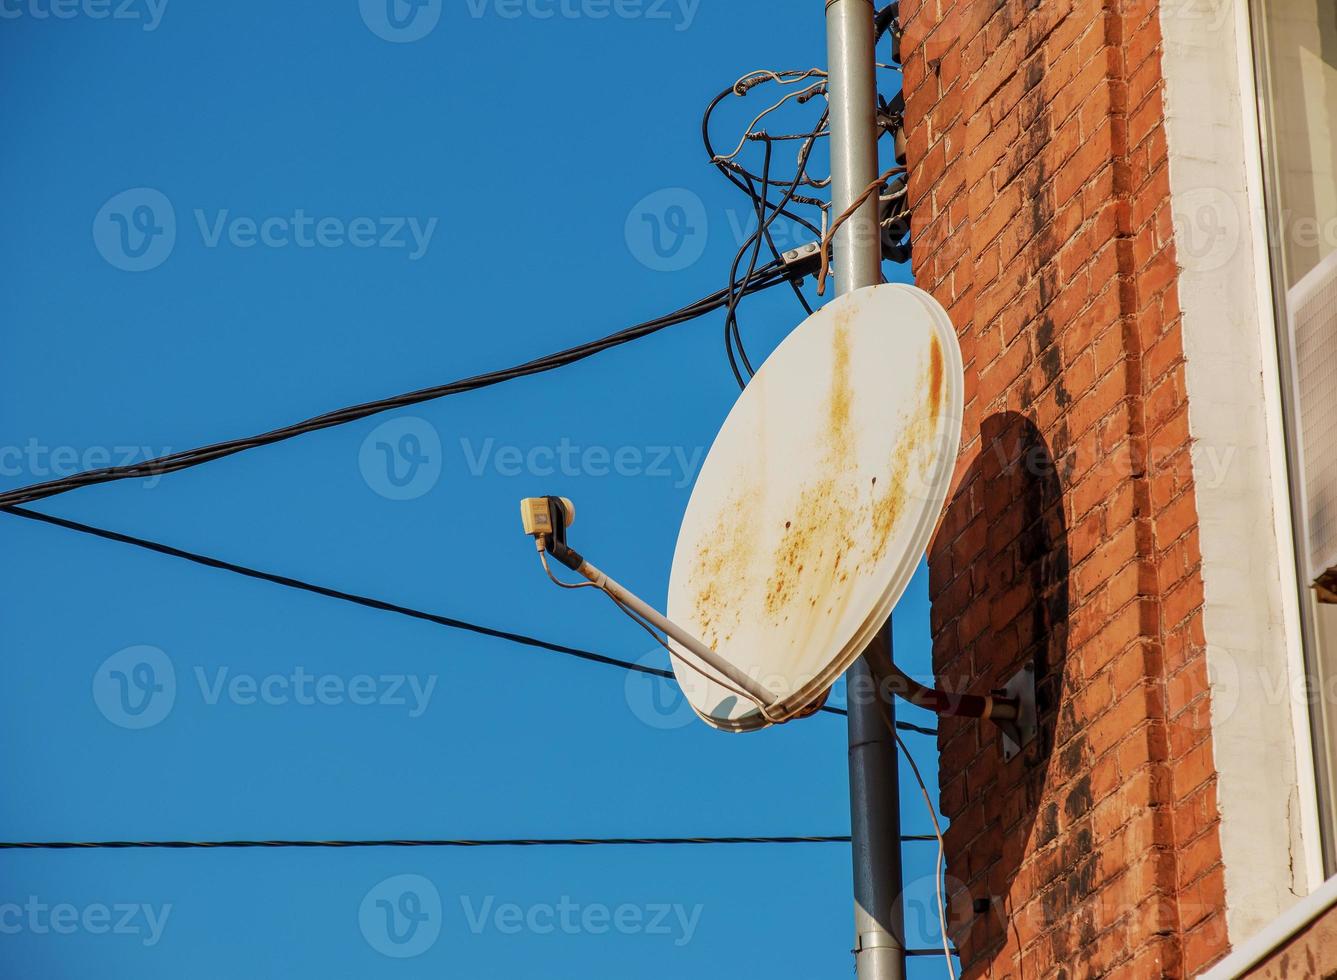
(341, 206)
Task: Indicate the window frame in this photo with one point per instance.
(1322, 716)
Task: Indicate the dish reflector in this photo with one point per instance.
(817, 500)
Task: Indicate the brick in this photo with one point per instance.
(1196, 813)
(1186, 686)
(1115, 553)
(1194, 769)
(1042, 223)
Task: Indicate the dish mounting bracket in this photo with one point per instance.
(1019, 732)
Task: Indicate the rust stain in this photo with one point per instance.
(808, 559)
(722, 562)
(809, 555)
(934, 377)
(888, 506)
(840, 398)
(832, 531)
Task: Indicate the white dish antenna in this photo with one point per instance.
(816, 502)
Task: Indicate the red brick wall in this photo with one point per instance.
(1042, 221)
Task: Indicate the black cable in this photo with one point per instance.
(760, 202)
(801, 178)
(368, 602)
(733, 336)
(759, 206)
(360, 600)
(728, 169)
(770, 275)
(884, 19)
(487, 842)
(710, 151)
(793, 282)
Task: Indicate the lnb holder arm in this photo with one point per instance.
(547, 518)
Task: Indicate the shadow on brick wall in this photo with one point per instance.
(1012, 611)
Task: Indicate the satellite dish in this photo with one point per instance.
(817, 500)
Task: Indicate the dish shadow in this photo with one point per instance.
(999, 583)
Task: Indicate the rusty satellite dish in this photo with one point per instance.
(817, 500)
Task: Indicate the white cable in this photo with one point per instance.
(810, 90)
(754, 78)
(937, 832)
(543, 557)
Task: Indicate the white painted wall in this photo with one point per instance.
(1260, 728)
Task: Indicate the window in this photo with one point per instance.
(1296, 52)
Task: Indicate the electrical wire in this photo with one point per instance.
(938, 866)
(733, 337)
(937, 833)
(543, 560)
(884, 20)
(845, 215)
(809, 92)
(729, 175)
(765, 210)
(770, 275)
(485, 842)
(790, 137)
(791, 77)
(746, 180)
(762, 201)
(731, 167)
(759, 210)
(366, 601)
(728, 162)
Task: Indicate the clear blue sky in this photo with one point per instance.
(519, 148)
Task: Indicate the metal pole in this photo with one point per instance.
(875, 826)
(875, 816)
(852, 94)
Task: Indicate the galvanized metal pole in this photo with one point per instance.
(879, 945)
(875, 822)
(852, 94)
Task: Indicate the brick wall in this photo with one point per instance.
(1041, 208)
